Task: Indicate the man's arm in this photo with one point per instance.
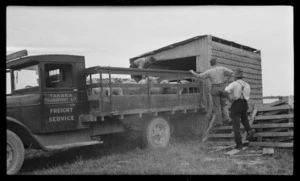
(229, 88)
(228, 73)
(203, 75)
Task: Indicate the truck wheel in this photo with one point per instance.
(156, 133)
(14, 153)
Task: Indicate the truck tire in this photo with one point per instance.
(15, 153)
(156, 133)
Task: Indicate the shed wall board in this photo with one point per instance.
(247, 72)
(237, 58)
(236, 51)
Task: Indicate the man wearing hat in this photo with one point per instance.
(239, 91)
(217, 76)
(141, 63)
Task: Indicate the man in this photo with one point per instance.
(141, 63)
(217, 76)
(239, 91)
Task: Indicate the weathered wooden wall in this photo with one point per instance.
(250, 62)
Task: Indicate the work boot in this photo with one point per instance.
(250, 134)
(240, 147)
(227, 122)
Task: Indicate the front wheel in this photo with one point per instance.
(156, 133)
(14, 153)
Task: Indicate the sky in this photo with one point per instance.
(111, 35)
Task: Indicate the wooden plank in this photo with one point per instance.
(255, 101)
(232, 144)
(278, 112)
(285, 116)
(278, 125)
(256, 126)
(233, 66)
(268, 151)
(256, 155)
(234, 151)
(254, 96)
(229, 60)
(277, 103)
(283, 139)
(204, 137)
(224, 135)
(273, 134)
(16, 55)
(276, 129)
(256, 91)
(256, 86)
(283, 107)
(251, 57)
(271, 144)
(254, 112)
(272, 121)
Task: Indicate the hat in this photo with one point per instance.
(213, 61)
(239, 73)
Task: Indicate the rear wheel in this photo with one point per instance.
(14, 153)
(156, 133)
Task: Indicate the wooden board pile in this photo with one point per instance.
(273, 123)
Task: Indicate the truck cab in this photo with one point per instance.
(47, 92)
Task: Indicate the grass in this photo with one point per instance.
(180, 157)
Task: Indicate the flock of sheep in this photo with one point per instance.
(134, 90)
(141, 63)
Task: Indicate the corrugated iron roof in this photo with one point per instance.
(168, 47)
(191, 40)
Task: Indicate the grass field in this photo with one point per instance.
(180, 157)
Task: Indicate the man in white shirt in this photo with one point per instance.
(219, 77)
(239, 92)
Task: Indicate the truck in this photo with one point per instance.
(56, 103)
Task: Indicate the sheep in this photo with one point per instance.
(173, 90)
(129, 81)
(106, 90)
(152, 80)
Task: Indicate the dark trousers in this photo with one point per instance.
(238, 114)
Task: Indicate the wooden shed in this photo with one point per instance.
(195, 53)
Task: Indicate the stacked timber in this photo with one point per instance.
(273, 123)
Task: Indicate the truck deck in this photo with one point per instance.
(143, 100)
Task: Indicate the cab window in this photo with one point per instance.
(58, 75)
(27, 77)
(8, 82)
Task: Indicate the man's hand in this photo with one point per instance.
(192, 71)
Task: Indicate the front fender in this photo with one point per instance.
(23, 133)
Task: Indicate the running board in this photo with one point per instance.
(71, 145)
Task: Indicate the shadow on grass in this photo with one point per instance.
(113, 144)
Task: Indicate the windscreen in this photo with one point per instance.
(26, 77)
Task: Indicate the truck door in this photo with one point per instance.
(63, 97)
